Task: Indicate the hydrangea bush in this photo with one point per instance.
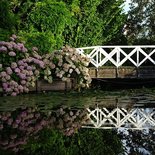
(20, 67)
(66, 64)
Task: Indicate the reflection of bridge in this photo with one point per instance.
(121, 61)
(108, 118)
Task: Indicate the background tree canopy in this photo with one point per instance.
(141, 22)
(50, 24)
(85, 142)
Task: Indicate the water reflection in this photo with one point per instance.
(24, 122)
(133, 118)
(17, 126)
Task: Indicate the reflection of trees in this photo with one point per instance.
(85, 142)
(139, 140)
(18, 126)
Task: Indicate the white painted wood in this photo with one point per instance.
(100, 55)
(136, 118)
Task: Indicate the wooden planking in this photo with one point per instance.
(104, 72)
(93, 72)
(145, 72)
(109, 72)
(127, 72)
(45, 86)
(57, 85)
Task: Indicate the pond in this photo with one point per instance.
(91, 122)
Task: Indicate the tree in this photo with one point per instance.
(50, 24)
(7, 20)
(94, 22)
(141, 21)
(84, 142)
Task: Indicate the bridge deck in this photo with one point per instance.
(143, 72)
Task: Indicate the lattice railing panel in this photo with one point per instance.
(136, 118)
(119, 55)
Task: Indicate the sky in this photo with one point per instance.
(126, 6)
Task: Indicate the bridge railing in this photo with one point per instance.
(134, 118)
(119, 55)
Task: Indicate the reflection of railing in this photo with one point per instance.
(106, 118)
(117, 55)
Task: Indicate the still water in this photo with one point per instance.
(86, 123)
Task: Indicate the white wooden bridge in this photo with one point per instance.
(121, 61)
(113, 118)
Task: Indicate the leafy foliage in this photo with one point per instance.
(7, 20)
(139, 142)
(141, 21)
(46, 23)
(85, 142)
(51, 24)
(94, 22)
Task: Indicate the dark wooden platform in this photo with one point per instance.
(145, 72)
(56, 85)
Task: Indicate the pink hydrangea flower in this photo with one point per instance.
(3, 74)
(8, 77)
(9, 70)
(5, 85)
(13, 65)
(21, 67)
(34, 49)
(3, 49)
(12, 54)
(24, 50)
(13, 94)
(12, 39)
(25, 65)
(41, 64)
(23, 82)
(30, 73)
(22, 76)
(14, 36)
(20, 62)
(20, 87)
(29, 68)
(17, 70)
